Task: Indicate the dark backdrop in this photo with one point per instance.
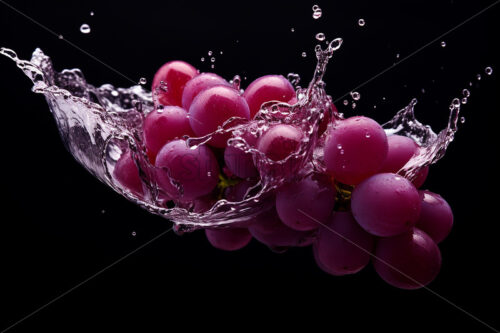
(59, 225)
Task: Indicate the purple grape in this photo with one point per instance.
(163, 126)
(127, 174)
(414, 259)
(239, 162)
(300, 205)
(198, 84)
(203, 204)
(335, 254)
(237, 192)
(269, 230)
(436, 217)
(214, 106)
(401, 150)
(386, 204)
(279, 141)
(174, 74)
(228, 239)
(268, 88)
(355, 149)
(186, 173)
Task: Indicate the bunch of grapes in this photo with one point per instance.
(355, 210)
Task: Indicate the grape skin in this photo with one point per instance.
(198, 84)
(436, 216)
(127, 174)
(228, 239)
(174, 74)
(268, 88)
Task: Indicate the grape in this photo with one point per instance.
(334, 253)
(355, 149)
(239, 162)
(268, 88)
(268, 229)
(163, 126)
(212, 107)
(228, 239)
(127, 174)
(323, 125)
(175, 74)
(186, 173)
(436, 217)
(198, 84)
(386, 204)
(204, 203)
(414, 257)
(279, 141)
(237, 192)
(305, 204)
(401, 150)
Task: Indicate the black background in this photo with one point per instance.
(59, 225)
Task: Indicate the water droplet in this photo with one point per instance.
(103, 211)
(383, 98)
(212, 66)
(115, 93)
(346, 102)
(342, 152)
(374, 106)
(354, 105)
(355, 95)
(488, 70)
(443, 44)
(464, 100)
(210, 53)
(320, 36)
(478, 77)
(466, 93)
(134, 233)
(212, 59)
(292, 29)
(343, 166)
(143, 80)
(85, 28)
(317, 12)
(209, 174)
(91, 13)
(462, 120)
(202, 59)
(423, 91)
(339, 146)
(61, 37)
(304, 54)
(361, 22)
(368, 135)
(470, 84)
(456, 102)
(221, 52)
(397, 56)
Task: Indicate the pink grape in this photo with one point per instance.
(127, 174)
(386, 204)
(355, 149)
(327, 119)
(414, 256)
(212, 107)
(175, 74)
(198, 84)
(335, 254)
(228, 239)
(269, 230)
(195, 171)
(401, 149)
(436, 217)
(268, 88)
(239, 162)
(279, 141)
(305, 204)
(163, 126)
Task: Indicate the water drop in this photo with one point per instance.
(61, 37)
(355, 95)
(462, 120)
(91, 13)
(202, 59)
(85, 28)
(464, 100)
(423, 91)
(456, 102)
(115, 93)
(292, 29)
(304, 54)
(488, 70)
(221, 52)
(103, 211)
(320, 36)
(397, 56)
(210, 53)
(361, 22)
(212, 66)
(374, 106)
(368, 135)
(339, 146)
(354, 105)
(342, 152)
(143, 80)
(134, 233)
(346, 102)
(212, 59)
(443, 44)
(317, 12)
(209, 174)
(478, 77)
(466, 93)
(383, 98)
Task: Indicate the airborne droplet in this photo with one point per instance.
(361, 22)
(320, 36)
(317, 12)
(488, 70)
(443, 44)
(143, 80)
(355, 95)
(466, 93)
(304, 54)
(85, 28)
